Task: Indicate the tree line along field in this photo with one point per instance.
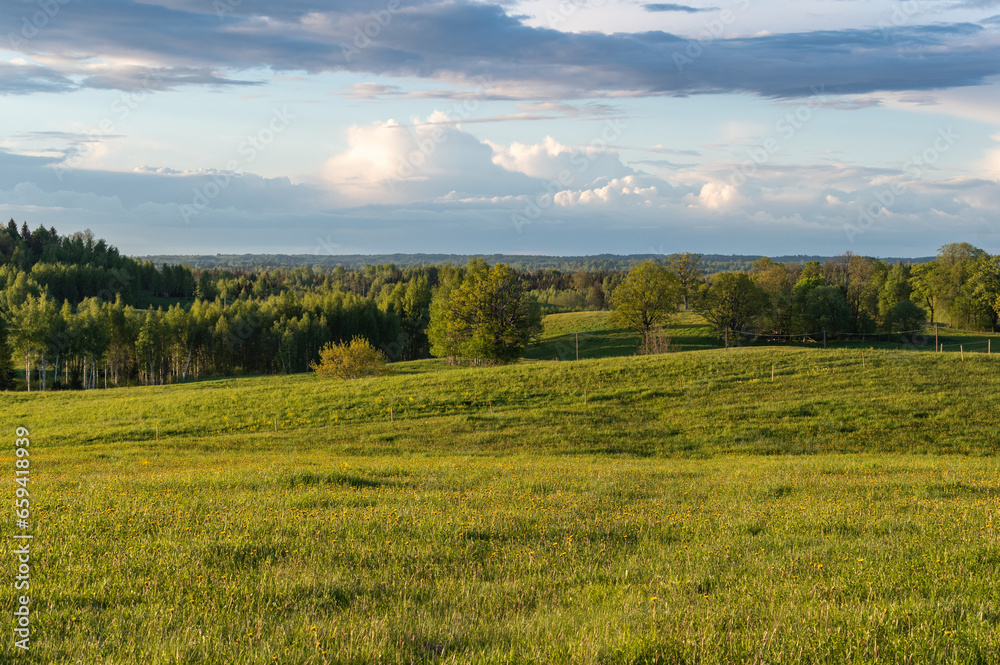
(76, 314)
(595, 336)
(678, 508)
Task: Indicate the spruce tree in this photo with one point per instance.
(6, 361)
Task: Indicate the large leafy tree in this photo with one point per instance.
(687, 267)
(897, 288)
(925, 286)
(984, 289)
(645, 299)
(488, 317)
(819, 307)
(777, 280)
(905, 317)
(954, 265)
(731, 301)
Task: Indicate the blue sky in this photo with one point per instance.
(545, 127)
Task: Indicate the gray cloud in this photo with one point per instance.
(151, 185)
(976, 4)
(465, 40)
(28, 79)
(660, 7)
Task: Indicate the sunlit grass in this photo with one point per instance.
(679, 508)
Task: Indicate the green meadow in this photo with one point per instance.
(756, 505)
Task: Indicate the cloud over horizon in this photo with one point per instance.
(665, 123)
(103, 43)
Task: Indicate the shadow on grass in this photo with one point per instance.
(313, 478)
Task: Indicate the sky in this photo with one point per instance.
(565, 127)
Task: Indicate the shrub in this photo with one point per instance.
(350, 360)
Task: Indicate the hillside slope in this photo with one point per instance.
(703, 403)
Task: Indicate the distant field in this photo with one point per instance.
(670, 509)
(689, 331)
(599, 339)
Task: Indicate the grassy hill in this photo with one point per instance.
(674, 508)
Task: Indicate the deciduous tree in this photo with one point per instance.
(488, 317)
(687, 268)
(646, 299)
(731, 301)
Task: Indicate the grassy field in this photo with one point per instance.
(682, 508)
(599, 339)
(689, 331)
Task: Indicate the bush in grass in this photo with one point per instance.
(351, 360)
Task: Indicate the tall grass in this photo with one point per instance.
(641, 510)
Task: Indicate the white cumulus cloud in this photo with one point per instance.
(389, 162)
(551, 160)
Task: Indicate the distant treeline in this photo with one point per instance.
(710, 263)
(76, 313)
(855, 295)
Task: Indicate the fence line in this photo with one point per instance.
(822, 337)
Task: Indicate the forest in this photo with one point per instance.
(77, 314)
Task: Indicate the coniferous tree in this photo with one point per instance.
(6, 361)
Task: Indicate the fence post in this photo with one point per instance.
(727, 337)
(578, 346)
(961, 348)
(824, 338)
